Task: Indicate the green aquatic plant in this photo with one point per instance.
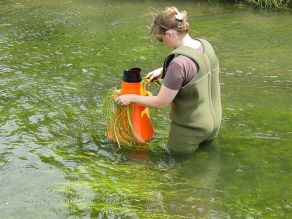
(114, 115)
(117, 118)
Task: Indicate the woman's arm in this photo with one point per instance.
(164, 98)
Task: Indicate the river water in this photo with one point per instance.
(57, 59)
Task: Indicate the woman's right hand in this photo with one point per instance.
(154, 74)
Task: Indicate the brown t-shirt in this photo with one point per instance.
(181, 70)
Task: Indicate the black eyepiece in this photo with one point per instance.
(132, 75)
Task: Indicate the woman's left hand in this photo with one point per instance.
(124, 100)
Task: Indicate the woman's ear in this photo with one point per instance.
(170, 32)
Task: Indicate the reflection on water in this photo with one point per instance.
(56, 60)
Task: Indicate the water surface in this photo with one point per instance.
(57, 58)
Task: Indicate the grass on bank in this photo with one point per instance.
(279, 4)
(265, 4)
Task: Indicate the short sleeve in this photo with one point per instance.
(181, 70)
(174, 76)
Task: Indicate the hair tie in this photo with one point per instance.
(179, 17)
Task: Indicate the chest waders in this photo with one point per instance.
(196, 110)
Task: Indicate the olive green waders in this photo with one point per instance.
(196, 110)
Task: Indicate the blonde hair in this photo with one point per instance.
(170, 18)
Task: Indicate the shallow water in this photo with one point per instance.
(57, 58)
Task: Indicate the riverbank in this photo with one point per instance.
(262, 4)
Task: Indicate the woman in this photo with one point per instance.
(190, 84)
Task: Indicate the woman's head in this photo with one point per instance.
(170, 18)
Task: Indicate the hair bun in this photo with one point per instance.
(179, 17)
(170, 18)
